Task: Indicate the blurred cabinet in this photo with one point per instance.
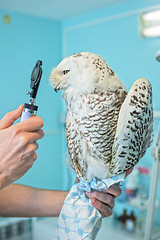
(16, 229)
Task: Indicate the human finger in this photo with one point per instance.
(22, 139)
(31, 124)
(77, 180)
(36, 146)
(104, 197)
(114, 190)
(34, 136)
(30, 153)
(103, 208)
(129, 171)
(10, 117)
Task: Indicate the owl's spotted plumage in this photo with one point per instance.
(134, 132)
(106, 131)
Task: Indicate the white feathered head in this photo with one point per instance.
(86, 72)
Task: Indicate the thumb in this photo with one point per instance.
(11, 117)
(129, 171)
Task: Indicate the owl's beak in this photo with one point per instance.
(56, 89)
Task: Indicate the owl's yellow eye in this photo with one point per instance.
(65, 71)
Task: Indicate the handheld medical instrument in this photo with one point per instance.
(30, 108)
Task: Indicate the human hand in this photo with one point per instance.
(104, 201)
(18, 145)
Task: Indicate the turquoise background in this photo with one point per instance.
(22, 43)
(111, 32)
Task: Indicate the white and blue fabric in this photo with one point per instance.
(78, 218)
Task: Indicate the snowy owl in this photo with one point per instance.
(108, 131)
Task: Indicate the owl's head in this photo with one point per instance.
(85, 72)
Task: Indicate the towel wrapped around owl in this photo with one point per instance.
(108, 131)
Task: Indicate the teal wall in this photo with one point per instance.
(22, 42)
(111, 32)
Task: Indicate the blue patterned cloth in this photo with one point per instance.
(78, 218)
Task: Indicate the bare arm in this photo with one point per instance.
(23, 201)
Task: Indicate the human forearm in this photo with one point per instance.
(22, 201)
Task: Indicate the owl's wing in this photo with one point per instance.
(134, 133)
(91, 130)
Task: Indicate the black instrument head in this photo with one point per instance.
(35, 78)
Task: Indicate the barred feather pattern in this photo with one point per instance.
(134, 133)
(92, 134)
(107, 130)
